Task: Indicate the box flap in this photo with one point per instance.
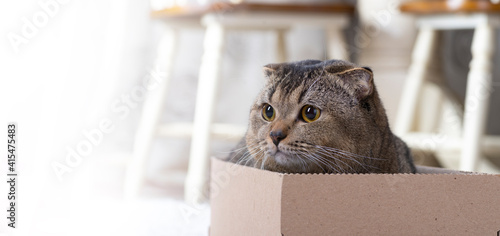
(238, 210)
(390, 204)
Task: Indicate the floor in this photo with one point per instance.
(89, 201)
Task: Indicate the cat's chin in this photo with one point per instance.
(286, 160)
(282, 158)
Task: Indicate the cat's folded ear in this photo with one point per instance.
(270, 69)
(358, 80)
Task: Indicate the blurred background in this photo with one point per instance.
(72, 67)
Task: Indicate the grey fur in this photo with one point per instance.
(352, 134)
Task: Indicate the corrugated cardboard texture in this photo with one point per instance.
(403, 204)
(256, 202)
(246, 201)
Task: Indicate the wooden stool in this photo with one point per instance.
(149, 126)
(448, 15)
(217, 19)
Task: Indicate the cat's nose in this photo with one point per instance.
(277, 136)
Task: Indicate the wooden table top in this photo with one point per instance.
(180, 12)
(449, 6)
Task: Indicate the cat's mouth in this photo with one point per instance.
(283, 156)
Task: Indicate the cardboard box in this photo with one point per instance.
(249, 201)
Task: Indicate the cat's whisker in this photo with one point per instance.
(246, 151)
(347, 154)
(294, 155)
(320, 161)
(247, 156)
(246, 159)
(323, 161)
(350, 153)
(327, 162)
(340, 155)
(325, 155)
(240, 154)
(333, 156)
(316, 161)
(254, 157)
(232, 151)
(305, 165)
(263, 162)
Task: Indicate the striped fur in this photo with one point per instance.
(352, 134)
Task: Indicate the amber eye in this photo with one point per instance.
(310, 113)
(268, 112)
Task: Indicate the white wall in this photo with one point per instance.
(67, 77)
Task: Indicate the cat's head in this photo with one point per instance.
(316, 117)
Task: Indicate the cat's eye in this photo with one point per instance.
(268, 112)
(310, 113)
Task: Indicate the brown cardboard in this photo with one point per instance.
(249, 201)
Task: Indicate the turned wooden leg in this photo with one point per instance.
(477, 95)
(205, 105)
(151, 112)
(421, 58)
(431, 105)
(336, 45)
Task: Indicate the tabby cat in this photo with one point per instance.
(321, 117)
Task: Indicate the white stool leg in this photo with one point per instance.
(281, 46)
(421, 57)
(336, 45)
(205, 101)
(430, 108)
(477, 95)
(151, 113)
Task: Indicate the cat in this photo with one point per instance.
(321, 117)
